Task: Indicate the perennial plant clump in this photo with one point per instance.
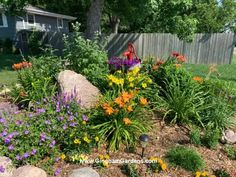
(36, 137)
(120, 117)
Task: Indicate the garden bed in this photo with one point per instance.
(163, 137)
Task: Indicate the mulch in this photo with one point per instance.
(163, 137)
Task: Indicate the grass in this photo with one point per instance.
(223, 72)
(7, 75)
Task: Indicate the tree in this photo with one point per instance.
(215, 16)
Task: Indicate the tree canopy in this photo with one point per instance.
(181, 17)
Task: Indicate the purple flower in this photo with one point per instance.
(64, 127)
(33, 152)
(18, 157)
(60, 118)
(118, 63)
(25, 155)
(31, 115)
(85, 118)
(47, 122)
(40, 110)
(2, 169)
(4, 133)
(7, 140)
(19, 122)
(57, 172)
(2, 120)
(52, 144)
(26, 132)
(73, 124)
(11, 147)
(71, 118)
(43, 137)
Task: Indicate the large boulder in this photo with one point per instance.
(229, 137)
(72, 83)
(29, 171)
(6, 167)
(84, 172)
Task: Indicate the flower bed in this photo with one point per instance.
(54, 130)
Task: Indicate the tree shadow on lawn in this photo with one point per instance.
(7, 60)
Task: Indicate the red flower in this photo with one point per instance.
(175, 54)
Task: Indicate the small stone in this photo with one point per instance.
(84, 172)
(229, 137)
(29, 171)
(6, 167)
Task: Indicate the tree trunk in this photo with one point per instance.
(115, 24)
(94, 18)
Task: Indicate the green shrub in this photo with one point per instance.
(36, 42)
(37, 81)
(58, 126)
(222, 173)
(195, 137)
(131, 170)
(87, 58)
(211, 137)
(230, 151)
(186, 158)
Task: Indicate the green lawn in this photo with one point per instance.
(7, 75)
(223, 72)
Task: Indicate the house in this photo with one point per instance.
(14, 27)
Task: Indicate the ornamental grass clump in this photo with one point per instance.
(186, 158)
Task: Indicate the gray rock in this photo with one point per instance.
(29, 171)
(6, 167)
(229, 137)
(84, 172)
(72, 83)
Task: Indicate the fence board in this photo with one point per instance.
(213, 48)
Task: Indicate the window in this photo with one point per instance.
(3, 20)
(59, 22)
(31, 19)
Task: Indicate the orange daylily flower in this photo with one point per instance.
(109, 110)
(198, 79)
(181, 58)
(177, 65)
(129, 108)
(127, 121)
(21, 65)
(143, 101)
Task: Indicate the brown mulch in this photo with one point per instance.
(163, 137)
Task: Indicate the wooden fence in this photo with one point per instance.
(214, 48)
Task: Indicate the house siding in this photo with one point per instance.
(10, 31)
(42, 23)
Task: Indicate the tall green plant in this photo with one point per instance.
(183, 101)
(87, 58)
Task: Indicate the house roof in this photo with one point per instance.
(38, 11)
